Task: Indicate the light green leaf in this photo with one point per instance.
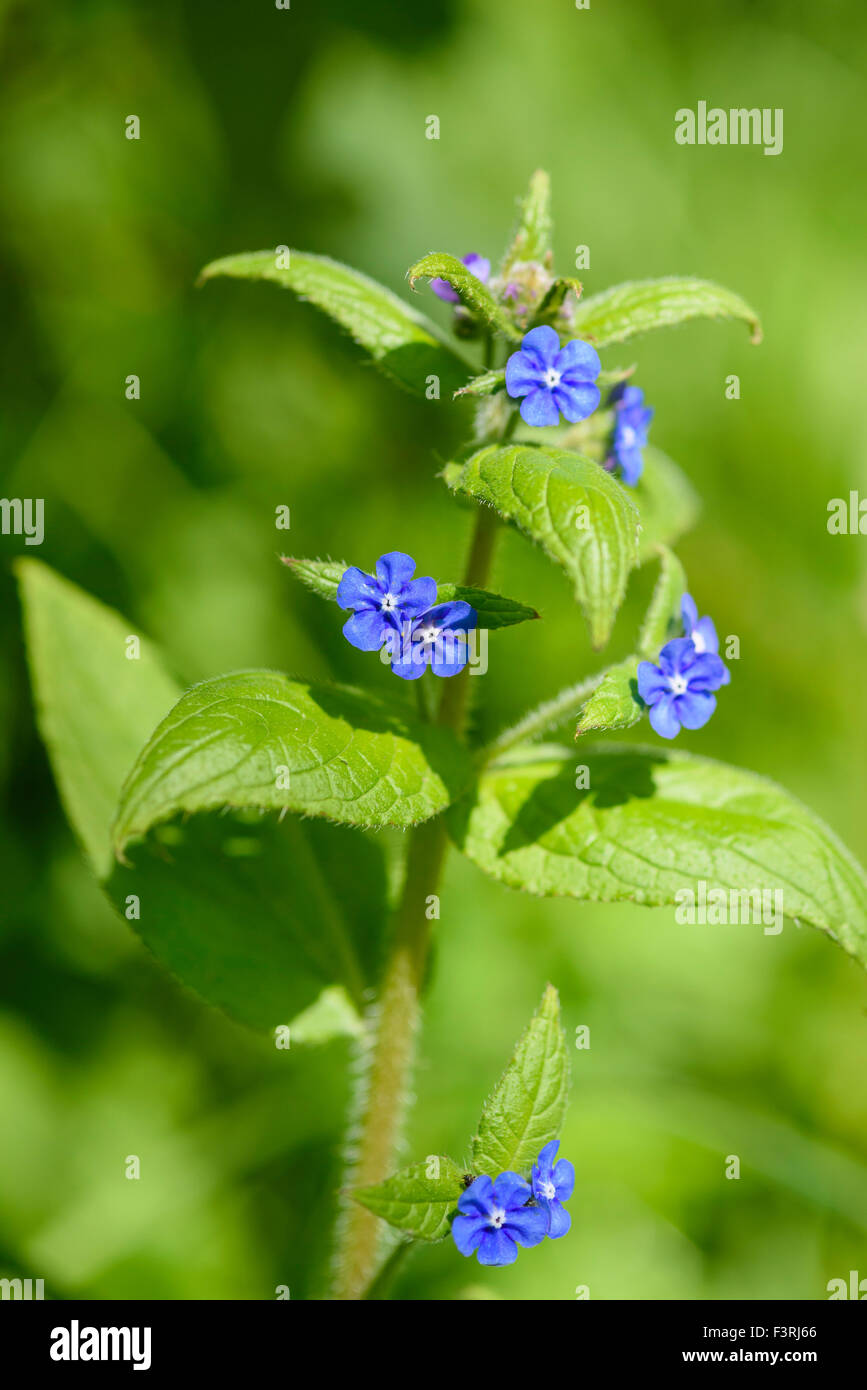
(663, 619)
(240, 739)
(487, 384)
(332, 1015)
(525, 1111)
(639, 305)
(244, 913)
(322, 576)
(494, 611)
(416, 1202)
(94, 706)
(579, 514)
(532, 238)
(402, 342)
(616, 703)
(666, 500)
(653, 823)
(474, 293)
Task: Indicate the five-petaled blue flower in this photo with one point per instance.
(494, 1219)
(631, 420)
(680, 689)
(437, 639)
(476, 265)
(701, 630)
(554, 381)
(553, 1184)
(384, 603)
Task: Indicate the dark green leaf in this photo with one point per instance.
(493, 610)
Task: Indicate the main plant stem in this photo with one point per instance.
(393, 1022)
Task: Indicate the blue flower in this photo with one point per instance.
(477, 265)
(437, 639)
(554, 381)
(383, 604)
(680, 689)
(494, 1219)
(631, 421)
(701, 630)
(553, 1184)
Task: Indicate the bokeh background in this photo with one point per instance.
(306, 127)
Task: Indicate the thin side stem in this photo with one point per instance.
(545, 716)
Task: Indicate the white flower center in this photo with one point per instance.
(549, 1191)
(627, 435)
(678, 685)
(389, 603)
(497, 1218)
(426, 635)
(552, 378)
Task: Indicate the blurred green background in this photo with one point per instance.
(260, 127)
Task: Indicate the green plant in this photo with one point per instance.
(301, 917)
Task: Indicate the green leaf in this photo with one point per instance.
(322, 576)
(532, 238)
(652, 823)
(245, 913)
(663, 619)
(487, 384)
(402, 342)
(332, 1015)
(550, 309)
(257, 915)
(639, 305)
(238, 740)
(666, 500)
(525, 1111)
(494, 611)
(474, 293)
(616, 703)
(579, 514)
(94, 706)
(421, 1205)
